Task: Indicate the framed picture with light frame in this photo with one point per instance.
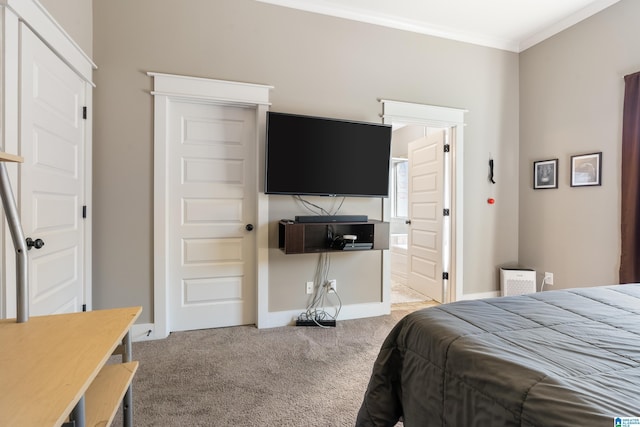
(545, 174)
(586, 170)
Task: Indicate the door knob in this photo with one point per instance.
(38, 243)
(249, 227)
(408, 221)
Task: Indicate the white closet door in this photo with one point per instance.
(211, 202)
(52, 177)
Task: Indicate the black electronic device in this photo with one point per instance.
(300, 322)
(308, 155)
(331, 218)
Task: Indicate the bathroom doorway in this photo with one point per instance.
(411, 122)
(416, 205)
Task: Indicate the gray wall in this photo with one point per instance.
(318, 65)
(565, 94)
(571, 93)
(76, 18)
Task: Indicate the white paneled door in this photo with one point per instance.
(211, 181)
(426, 178)
(52, 177)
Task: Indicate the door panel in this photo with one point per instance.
(52, 177)
(426, 176)
(212, 189)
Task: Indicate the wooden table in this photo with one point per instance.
(49, 363)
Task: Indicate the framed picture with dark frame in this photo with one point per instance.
(545, 174)
(586, 169)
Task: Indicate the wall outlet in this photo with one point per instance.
(548, 278)
(333, 284)
(309, 288)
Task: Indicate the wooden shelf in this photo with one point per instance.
(106, 392)
(49, 362)
(313, 237)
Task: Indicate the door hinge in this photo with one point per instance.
(445, 276)
(447, 147)
(445, 212)
(84, 211)
(84, 112)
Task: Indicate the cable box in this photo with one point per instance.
(357, 246)
(331, 218)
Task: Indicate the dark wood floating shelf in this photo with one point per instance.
(300, 238)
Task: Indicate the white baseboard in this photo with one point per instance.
(143, 332)
(276, 319)
(480, 295)
(147, 331)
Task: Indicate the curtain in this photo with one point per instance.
(630, 182)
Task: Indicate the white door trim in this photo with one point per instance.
(13, 14)
(166, 88)
(431, 115)
(47, 28)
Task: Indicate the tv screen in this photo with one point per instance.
(321, 156)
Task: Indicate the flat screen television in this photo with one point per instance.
(320, 156)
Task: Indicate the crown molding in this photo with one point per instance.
(390, 21)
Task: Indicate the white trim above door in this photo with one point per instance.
(169, 88)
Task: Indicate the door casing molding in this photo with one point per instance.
(167, 88)
(14, 15)
(443, 117)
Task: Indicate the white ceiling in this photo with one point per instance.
(513, 25)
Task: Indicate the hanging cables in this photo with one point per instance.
(318, 210)
(322, 293)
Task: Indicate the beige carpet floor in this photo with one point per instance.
(243, 376)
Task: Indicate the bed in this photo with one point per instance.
(559, 358)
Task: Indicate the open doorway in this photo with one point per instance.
(445, 273)
(416, 204)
